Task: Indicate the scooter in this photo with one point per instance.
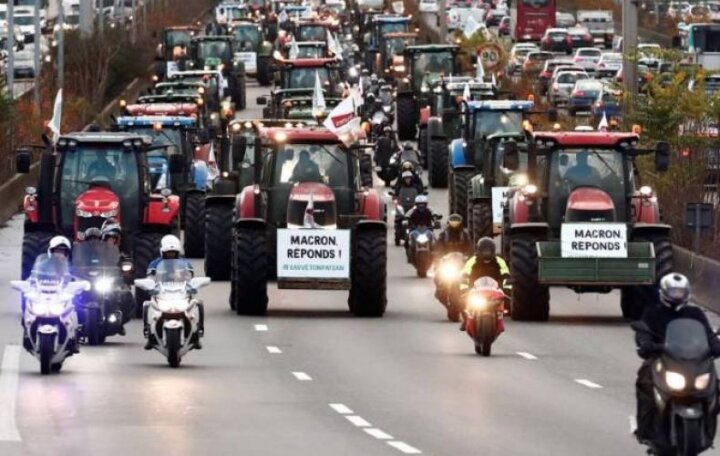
(448, 276)
(49, 316)
(484, 314)
(685, 390)
(173, 316)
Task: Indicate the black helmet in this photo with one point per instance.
(485, 249)
(94, 127)
(674, 290)
(93, 234)
(455, 221)
(408, 146)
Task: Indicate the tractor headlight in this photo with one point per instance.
(530, 190)
(675, 381)
(353, 72)
(702, 381)
(422, 238)
(646, 191)
(104, 285)
(387, 108)
(108, 214)
(400, 68)
(424, 89)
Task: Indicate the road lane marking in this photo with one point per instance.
(378, 434)
(261, 327)
(633, 423)
(404, 447)
(273, 349)
(302, 376)
(341, 409)
(588, 383)
(357, 420)
(9, 372)
(527, 355)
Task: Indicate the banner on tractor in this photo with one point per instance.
(499, 200)
(313, 254)
(593, 240)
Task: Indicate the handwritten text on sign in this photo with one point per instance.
(499, 200)
(594, 240)
(313, 254)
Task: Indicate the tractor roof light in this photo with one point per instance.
(157, 126)
(646, 191)
(235, 127)
(637, 129)
(127, 144)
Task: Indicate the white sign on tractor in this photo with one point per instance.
(313, 254)
(249, 59)
(593, 240)
(499, 200)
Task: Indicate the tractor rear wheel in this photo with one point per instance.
(633, 300)
(146, 247)
(263, 71)
(34, 244)
(422, 143)
(407, 118)
(194, 240)
(218, 237)
(531, 300)
(438, 164)
(482, 220)
(250, 258)
(461, 183)
(368, 274)
(243, 92)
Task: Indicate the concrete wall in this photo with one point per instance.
(704, 274)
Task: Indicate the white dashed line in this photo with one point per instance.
(633, 423)
(302, 376)
(261, 327)
(404, 447)
(378, 434)
(273, 349)
(8, 394)
(588, 383)
(357, 420)
(341, 409)
(527, 355)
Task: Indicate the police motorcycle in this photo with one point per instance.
(49, 317)
(104, 309)
(484, 315)
(419, 245)
(685, 390)
(173, 314)
(448, 279)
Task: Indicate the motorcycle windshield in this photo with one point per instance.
(92, 259)
(410, 156)
(173, 275)
(50, 274)
(686, 340)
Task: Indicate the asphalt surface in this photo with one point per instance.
(311, 379)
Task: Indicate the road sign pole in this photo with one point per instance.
(61, 46)
(442, 15)
(630, 39)
(11, 50)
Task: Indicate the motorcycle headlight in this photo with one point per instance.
(352, 72)
(449, 271)
(675, 381)
(103, 285)
(38, 307)
(702, 381)
(387, 108)
(422, 238)
(477, 302)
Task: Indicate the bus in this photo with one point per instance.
(701, 42)
(530, 19)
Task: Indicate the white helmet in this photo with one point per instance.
(59, 242)
(170, 243)
(407, 175)
(421, 199)
(674, 290)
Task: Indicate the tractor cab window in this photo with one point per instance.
(571, 169)
(323, 163)
(491, 122)
(247, 38)
(504, 176)
(434, 63)
(171, 141)
(93, 164)
(393, 27)
(236, 14)
(396, 46)
(312, 33)
(177, 38)
(248, 157)
(304, 78)
(310, 52)
(214, 49)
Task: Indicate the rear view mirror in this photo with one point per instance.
(511, 157)
(199, 282)
(145, 284)
(177, 163)
(22, 286)
(78, 287)
(22, 161)
(662, 156)
(239, 148)
(262, 101)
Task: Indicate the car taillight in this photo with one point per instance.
(579, 93)
(577, 59)
(546, 40)
(588, 37)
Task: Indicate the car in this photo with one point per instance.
(494, 17)
(504, 26)
(25, 19)
(607, 103)
(608, 65)
(535, 61)
(580, 37)
(517, 56)
(583, 95)
(587, 57)
(428, 6)
(547, 72)
(24, 65)
(712, 84)
(650, 55)
(562, 85)
(556, 40)
(564, 20)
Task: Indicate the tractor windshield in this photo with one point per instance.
(325, 164)
(304, 78)
(585, 167)
(312, 33)
(247, 38)
(310, 52)
(177, 38)
(488, 122)
(214, 49)
(393, 27)
(236, 14)
(91, 163)
(434, 63)
(396, 46)
(504, 176)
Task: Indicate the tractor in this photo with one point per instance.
(305, 50)
(253, 50)
(300, 109)
(425, 64)
(584, 221)
(379, 26)
(389, 62)
(313, 220)
(175, 135)
(279, 100)
(172, 51)
(442, 119)
(180, 105)
(300, 74)
(217, 53)
(88, 178)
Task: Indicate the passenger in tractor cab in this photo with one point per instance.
(101, 167)
(581, 172)
(306, 170)
(110, 232)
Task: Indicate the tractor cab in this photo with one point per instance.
(280, 99)
(314, 30)
(251, 47)
(382, 25)
(226, 13)
(301, 74)
(305, 50)
(175, 41)
(211, 53)
(301, 109)
(389, 60)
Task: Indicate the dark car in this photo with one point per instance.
(556, 40)
(606, 103)
(580, 37)
(584, 95)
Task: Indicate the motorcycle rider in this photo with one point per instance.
(485, 263)
(92, 234)
(171, 249)
(59, 246)
(454, 238)
(111, 232)
(420, 214)
(674, 297)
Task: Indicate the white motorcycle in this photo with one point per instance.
(173, 315)
(49, 316)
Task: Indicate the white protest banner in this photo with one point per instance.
(343, 120)
(593, 240)
(313, 254)
(56, 121)
(499, 200)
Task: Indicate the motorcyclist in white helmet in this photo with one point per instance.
(59, 246)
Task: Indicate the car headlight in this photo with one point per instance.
(477, 302)
(104, 284)
(675, 381)
(702, 381)
(422, 238)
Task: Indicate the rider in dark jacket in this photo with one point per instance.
(454, 238)
(420, 215)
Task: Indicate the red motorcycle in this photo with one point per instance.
(484, 313)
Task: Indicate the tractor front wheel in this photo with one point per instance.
(531, 300)
(194, 239)
(461, 183)
(368, 275)
(633, 300)
(250, 257)
(482, 220)
(407, 118)
(263, 71)
(146, 247)
(438, 164)
(218, 236)
(34, 244)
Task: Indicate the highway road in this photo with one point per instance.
(310, 379)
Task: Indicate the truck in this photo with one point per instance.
(600, 24)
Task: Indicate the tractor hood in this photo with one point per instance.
(311, 205)
(162, 109)
(94, 206)
(590, 204)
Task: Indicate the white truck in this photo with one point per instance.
(600, 24)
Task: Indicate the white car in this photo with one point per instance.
(24, 65)
(563, 84)
(608, 65)
(429, 6)
(587, 57)
(25, 19)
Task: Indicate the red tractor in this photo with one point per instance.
(88, 178)
(313, 220)
(584, 221)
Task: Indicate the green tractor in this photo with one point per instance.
(210, 53)
(253, 50)
(426, 64)
(171, 52)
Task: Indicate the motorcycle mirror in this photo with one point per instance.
(145, 284)
(21, 285)
(78, 287)
(199, 282)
